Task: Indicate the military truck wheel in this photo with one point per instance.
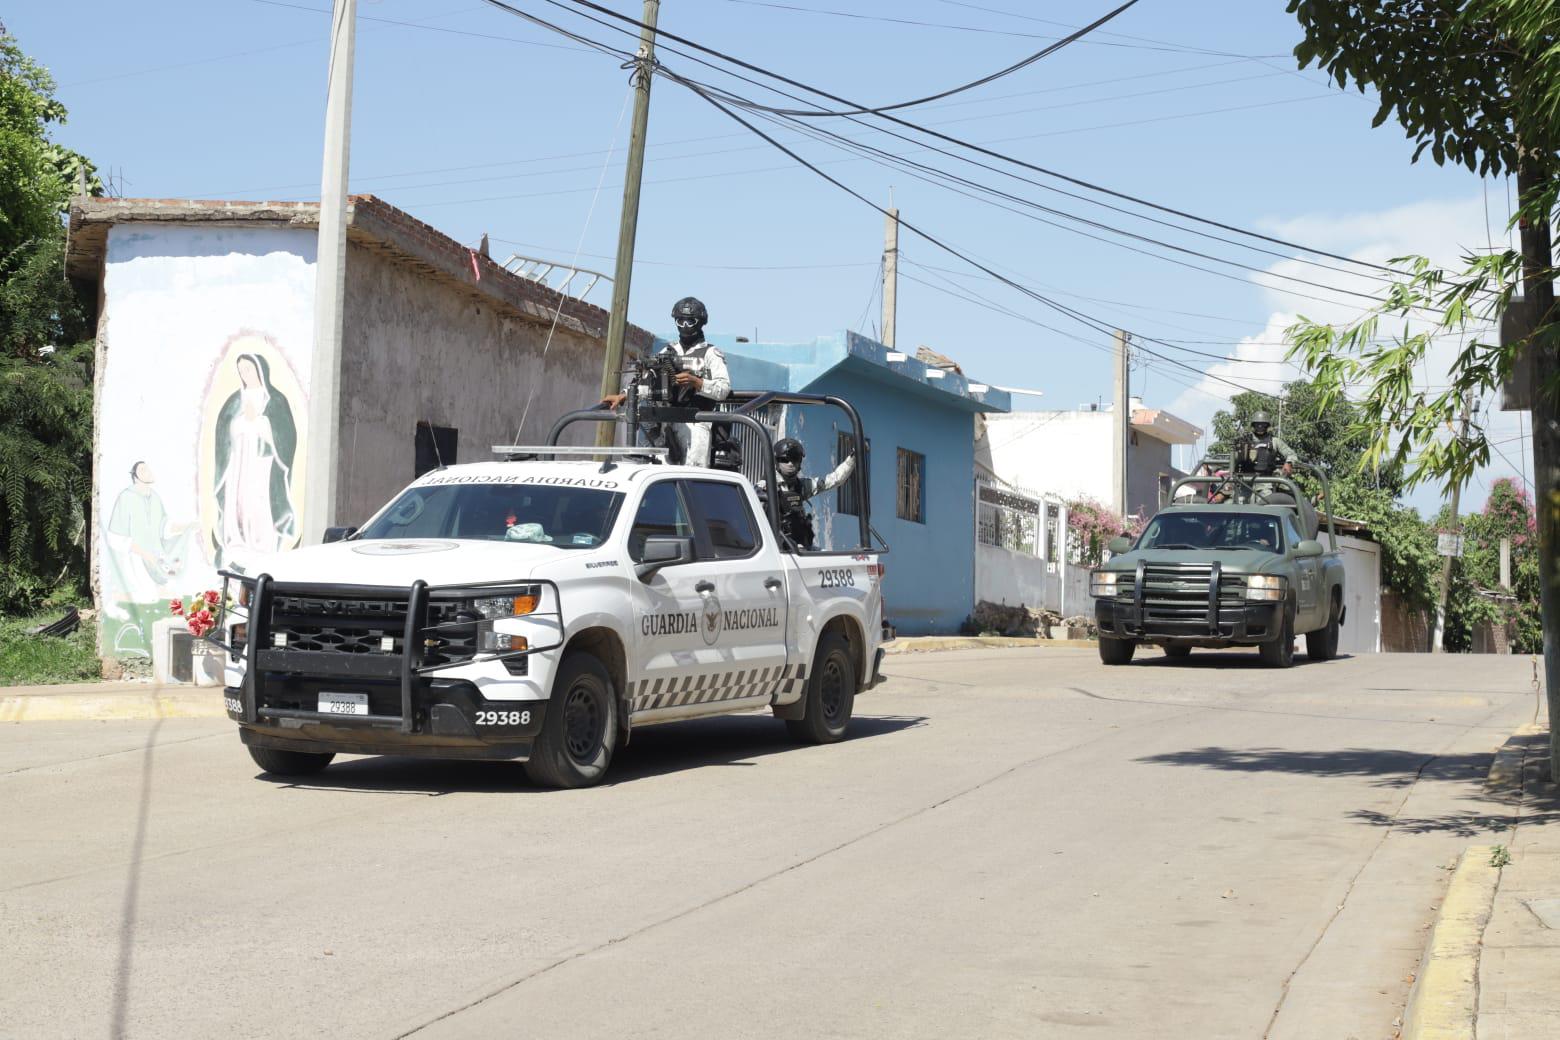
(830, 696)
(1177, 651)
(1280, 652)
(289, 763)
(1322, 645)
(1116, 651)
(574, 747)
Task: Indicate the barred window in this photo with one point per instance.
(912, 486)
(848, 501)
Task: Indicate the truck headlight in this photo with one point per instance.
(523, 600)
(1265, 587)
(1105, 584)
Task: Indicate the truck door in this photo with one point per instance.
(700, 635)
(749, 593)
(1308, 574)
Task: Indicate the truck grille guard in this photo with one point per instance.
(1185, 599)
(407, 666)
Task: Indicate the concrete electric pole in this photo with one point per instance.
(1446, 559)
(890, 275)
(330, 283)
(1123, 425)
(628, 226)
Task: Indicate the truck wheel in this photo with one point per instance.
(1322, 645)
(289, 763)
(831, 694)
(574, 747)
(1177, 651)
(1280, 652)
(1116, 651)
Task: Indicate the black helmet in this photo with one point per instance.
(689, 307)
(789, 449)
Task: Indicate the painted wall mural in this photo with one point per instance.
(203, 399)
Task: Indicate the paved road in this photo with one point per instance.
(1015, 843)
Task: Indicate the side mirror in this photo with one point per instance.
(663, 550)
(1308, 547)
(339, 534)
(1119, 544)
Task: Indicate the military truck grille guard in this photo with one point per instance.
(1187, 599)
(372, 634)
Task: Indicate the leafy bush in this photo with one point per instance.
(1090, 527)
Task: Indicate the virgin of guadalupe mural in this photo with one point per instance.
(254, 451)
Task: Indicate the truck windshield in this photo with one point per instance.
(1221, 530)
(567, 517)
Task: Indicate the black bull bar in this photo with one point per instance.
(407, 667)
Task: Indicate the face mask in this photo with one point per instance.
(789, 469)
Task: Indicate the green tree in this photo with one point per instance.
(1476, 594)
(45, 359)
(1477, 83)
(1327, 432)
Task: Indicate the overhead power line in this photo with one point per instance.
(1077, 181)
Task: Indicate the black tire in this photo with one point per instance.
(1177, 651)
(830, 696)
(290, 763)
(575, 745)
(1116, 651)
(1280, 652)
(1322, 645)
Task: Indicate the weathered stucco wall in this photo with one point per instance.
(424, 348)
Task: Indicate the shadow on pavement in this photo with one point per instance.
(1384, 767)
(1388, 766)
(732, 740)
(1219, 659)
(130, 905)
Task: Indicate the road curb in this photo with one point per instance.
(155, 702)
(1444, 1002)
(1505, 776)
(926, 644)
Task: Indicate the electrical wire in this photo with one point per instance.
(1077, 181)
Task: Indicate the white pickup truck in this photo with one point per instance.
(539, 611)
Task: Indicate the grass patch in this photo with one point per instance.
(41, 660)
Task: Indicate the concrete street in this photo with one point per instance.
(1015, 843)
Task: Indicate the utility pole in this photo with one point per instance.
(890, 275)
(1446, 560)
(628, 225)
(1538, 288)
(330, 283)
(1123, 424)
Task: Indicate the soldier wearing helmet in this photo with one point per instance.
(700, 382)
(794, 489)
(1263, 452)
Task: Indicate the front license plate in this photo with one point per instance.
(343, 703)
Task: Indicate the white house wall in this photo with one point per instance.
(1361, 631)
(189, 316)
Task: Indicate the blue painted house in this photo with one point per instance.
(919, 422)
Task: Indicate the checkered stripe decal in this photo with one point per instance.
(678, 690)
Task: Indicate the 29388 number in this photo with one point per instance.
(503, 718)
(840, 578)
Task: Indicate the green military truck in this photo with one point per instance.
(1233, 561)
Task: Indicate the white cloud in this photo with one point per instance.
(1443, 230)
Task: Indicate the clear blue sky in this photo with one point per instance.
(478, 122)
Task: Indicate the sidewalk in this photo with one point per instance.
(1519, 969)
(1491, 967)
(926, 644)
(73, 702)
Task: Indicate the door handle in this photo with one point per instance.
(772, 582)
(704, 586)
